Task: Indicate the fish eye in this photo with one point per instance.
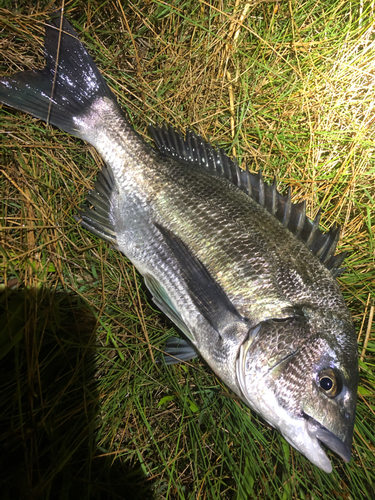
(329, 383)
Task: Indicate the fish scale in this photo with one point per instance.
(245, 275)
(240, 268)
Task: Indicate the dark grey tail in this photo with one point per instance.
(59, 99)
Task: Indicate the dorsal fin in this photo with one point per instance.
(194, 150)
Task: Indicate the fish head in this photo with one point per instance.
(301, 375)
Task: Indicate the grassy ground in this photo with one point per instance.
(284, 86)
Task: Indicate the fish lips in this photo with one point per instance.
(318, 431)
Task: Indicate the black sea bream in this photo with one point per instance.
(245, 275)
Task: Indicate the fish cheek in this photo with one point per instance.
(292, 381)
(270, 358)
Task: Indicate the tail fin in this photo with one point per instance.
(58, 97)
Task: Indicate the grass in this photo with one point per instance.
(286, 87)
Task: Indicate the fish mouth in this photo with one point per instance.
(318, 431)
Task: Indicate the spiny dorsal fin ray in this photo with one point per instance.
(334, 263)
(194, 150)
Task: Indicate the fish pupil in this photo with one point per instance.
(326, 383)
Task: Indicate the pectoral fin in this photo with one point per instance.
(207, 295)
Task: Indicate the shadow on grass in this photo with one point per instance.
(49, 404)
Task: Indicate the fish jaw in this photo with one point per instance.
(306, 435)
(302, 435)
(328, 438)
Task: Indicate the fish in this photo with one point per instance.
(245, 275)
